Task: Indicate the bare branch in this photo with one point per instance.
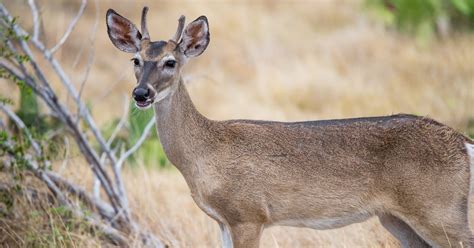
(90, 60)
(66, 156)
(137, 145)
(122, 121)
(2, 125)
(83, 83)
(104, 209)
(111, 232)
(70, 28)
(96, 188)
(36, 19)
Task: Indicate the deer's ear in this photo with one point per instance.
(123, 33)
(195, 37)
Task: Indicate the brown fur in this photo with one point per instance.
(412, 172)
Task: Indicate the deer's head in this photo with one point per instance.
(157, 64)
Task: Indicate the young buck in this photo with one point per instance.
(412, 172)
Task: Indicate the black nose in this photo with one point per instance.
(141, 94)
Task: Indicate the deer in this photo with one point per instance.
(414, 173)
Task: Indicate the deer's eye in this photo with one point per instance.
(170, 63)
(136, 62)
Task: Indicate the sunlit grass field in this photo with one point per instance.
(275, 60)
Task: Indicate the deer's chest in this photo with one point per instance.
(200, 195)
(203, 184)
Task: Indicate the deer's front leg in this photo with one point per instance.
(225, 236)
(246, 235)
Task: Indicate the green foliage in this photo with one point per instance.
(151, 152)
(420, 17)
(17, 150)
(6, 199)
(29, 108)
(138, 119)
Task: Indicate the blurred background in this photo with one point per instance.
(273, 60)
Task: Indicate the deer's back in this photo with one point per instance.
(373, 144)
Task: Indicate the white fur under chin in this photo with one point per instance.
(162, 95)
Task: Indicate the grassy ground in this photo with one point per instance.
(280, 61)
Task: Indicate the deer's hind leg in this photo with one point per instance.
(443, 233)
(404, 233)
(443, 222)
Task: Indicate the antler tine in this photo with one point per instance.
(145, 34)
(179, 31)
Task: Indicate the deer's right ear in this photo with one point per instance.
(122, 32)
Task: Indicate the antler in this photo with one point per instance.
(145, 34)
(179, 31)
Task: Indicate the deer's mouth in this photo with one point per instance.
(144, 104)
(144, 101)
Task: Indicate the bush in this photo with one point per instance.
(425, 17)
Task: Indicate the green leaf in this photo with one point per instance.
(29, 108)
(462, 6)
(138, 120)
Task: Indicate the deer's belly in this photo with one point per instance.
(325, 222)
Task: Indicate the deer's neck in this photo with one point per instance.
(181, 128)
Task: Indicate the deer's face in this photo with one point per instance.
(157, 64)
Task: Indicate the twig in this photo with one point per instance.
(96, 188)
(104, 209)
(2, 125)
(36, 19)
(90, 60)
(66, 155)
(70, 28)
(137, 144)
(122, 121)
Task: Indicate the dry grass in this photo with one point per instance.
(30, 217)
(266, 60)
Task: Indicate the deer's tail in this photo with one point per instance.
(470, 153)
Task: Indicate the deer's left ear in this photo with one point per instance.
(195, 37)
(122, 32)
